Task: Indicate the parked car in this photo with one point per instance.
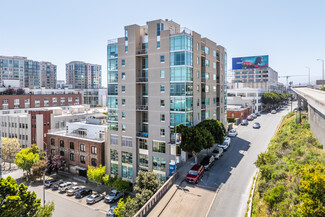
(49, 182)
(227, 139)
(225, 145)
(73, 190)
(250, 118)
(66, 185)
(110, 212)
(256, 125)
(83, 192)
(207, 162)
(273, 112)
(254, 116)
(217, 153)
(55, 185)
(244, 122)
(113, 196)
(195, 173)
(232, 133)
(94, 198)
(258, 113)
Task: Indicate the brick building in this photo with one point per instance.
(238, 112)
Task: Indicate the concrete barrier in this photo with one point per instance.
(156, 197)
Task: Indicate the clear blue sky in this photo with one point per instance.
(291, 32)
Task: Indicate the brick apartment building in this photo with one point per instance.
(238, 112)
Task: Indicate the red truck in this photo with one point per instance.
(195, 173)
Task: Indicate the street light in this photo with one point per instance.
(322, 70)
(308, 74)
(175, 127)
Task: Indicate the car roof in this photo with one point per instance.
(196, 167)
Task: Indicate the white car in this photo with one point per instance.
(227, 139)
(224, 145)
(273, 112)
(113, 196)
(66, 185)
(232, 133)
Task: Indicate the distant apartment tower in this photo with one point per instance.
(83, 75)
(159, 75)
(254, 72)
(30, 74)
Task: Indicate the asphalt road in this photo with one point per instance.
(236, 169)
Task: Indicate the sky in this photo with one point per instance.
(291, 32)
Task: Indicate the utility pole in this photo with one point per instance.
(322, 71)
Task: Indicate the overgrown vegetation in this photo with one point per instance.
(270, 99)
(292, 173)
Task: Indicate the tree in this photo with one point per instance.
(127, 208)
(17, 200)
(46, 210)
(147, 180)
(25, 159)
(216, 128)
(207, 138)
(122, 185)
(96, 174)
(10, 148)
(312, 190)
(54, 163)
(38, 168)
(192, 141)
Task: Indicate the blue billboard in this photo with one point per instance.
(250, 62)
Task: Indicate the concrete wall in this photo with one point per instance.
(317, 124)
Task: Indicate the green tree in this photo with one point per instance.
(216, 128)
(147, 180)
(9, 148)
(127, 208)
(46, 210)
(38, 168)
(192, 141)
(25, 159)
(17, 200)
(122, 185)
(96, 174)
(207, 138)
(312, 190)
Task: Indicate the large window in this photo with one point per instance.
(143, 160)
(112, 51)
(158, 146)
(71, 145)
(114, 140)
(159, 163)
(143, 144)
(182, 42)
(61, 143)
(82, 159)
(71, 156)
(82, 148)
(52, 141)
(181, 89)
(127, 172)
(126, 157)
(114, 168)
(93, 162)
(93, 149)
(126, 141)
(181, 103)
(114, 155)
(181, 74)
(181, 58)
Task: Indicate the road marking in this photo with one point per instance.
(214, 197)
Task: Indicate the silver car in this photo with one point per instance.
(110, 212)
(73, 190)
(217, 153)
(224, 145)
(66, 185)
(113, 196)
(94, 198)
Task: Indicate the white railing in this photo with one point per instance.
(156, 197)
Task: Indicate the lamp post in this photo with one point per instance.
(45, 152)
(308, 74)
(175, 127)
(322, 70)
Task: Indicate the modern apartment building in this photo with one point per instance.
(30, 74)
(159, 75)
(81, 75)
(81, 143)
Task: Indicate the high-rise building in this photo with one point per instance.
(83, 75)
(159, 75)
(30, 74)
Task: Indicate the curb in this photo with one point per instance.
(214, 198)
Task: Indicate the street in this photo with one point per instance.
(224, 189)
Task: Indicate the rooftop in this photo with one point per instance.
(63, 133)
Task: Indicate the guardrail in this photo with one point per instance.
(156, 197)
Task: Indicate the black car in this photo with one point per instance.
(207, 162)
(83, 192)
(55, 185)
(48, 183)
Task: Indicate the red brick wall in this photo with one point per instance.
(242, 114)
(46, 124)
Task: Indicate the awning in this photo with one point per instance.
(80, 168)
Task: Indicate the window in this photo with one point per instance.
(52, 141)
(123, 75)
(126, 48)
(143, 144)
(214, 89)
(93, 162)
(123, 115)
(53, 152)
(82, 159)
(198, 60)
(114, 140)
(114, 168)
(214, 53)
(123, 89)
(123, 101)
(162, 117)
(126, 35)
(71, 156)
(207, 88)
(162, 88)
(126, 157)
(61, 143)
(127, 172)
(126, 141)
(114, 155)
(82, 147)
(158, 146)
(214, 65)
(123, 62)
(214, 77)
(93, 149)
(162, 132)
(71, 145)
(159, 163)
(197, 74)
(162, 73)
(143, 160)
(162, 103)
(162, 58)
(158, 44)
(197, 46)
(62, 153)
(123, 127)
(160, 27)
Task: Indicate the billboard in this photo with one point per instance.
(250, 62)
